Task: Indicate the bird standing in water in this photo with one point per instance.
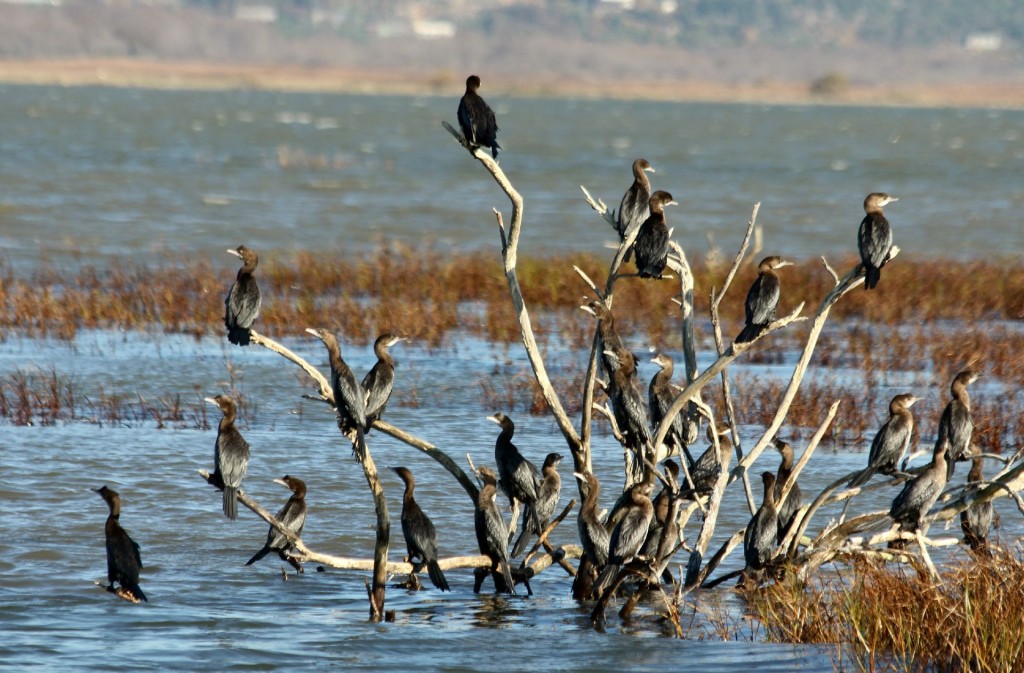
(230, 455)
(635, 206)
(874, 238)
(123, 558)
(491, 534)
(956, 426)
(380, 380)
(651, 246)
(891, 441)
(418, 531)
(762, 298)
(349, 396)
(242, 305)
(292, 516)
(476, 118)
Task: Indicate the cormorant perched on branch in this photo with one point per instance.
(762, 532)
(684, 429)
(476, 118)
(380, 380)
(762, 299)
(874, 238)
(610, 340)
(662, 508)
(976, 520)
(787, 510)
(956, 426)
(349, 396)
(709, 466)
(123, 558)
(292, 516)
(547, 500)
(491, 534)
(627, 538)
(230, 455)
(628, 404)
(891, 441)
(519, 477)
(419, 533)
(635, 206)
(242, 305)
(651, 247)
(910, 507)
(593, 534)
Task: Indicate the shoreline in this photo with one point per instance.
(201, 76)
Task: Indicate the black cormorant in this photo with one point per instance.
(787, 509)
(292, 516)
(491, 533)
(628, 404)
(242, 305)
(593, 534)
(976, 520)
(910, 507)
(547, 500)
(708, 467)
(349, 396)
(635, 206)
(874, 238)
(762, 532)
(419, 533)
(519, 477)
(956, 426)
(662, 508)
(477, 118)
(651, 246)
(627, 538)
(123, 558)
(684, 428)
(891, 441)
(762, 299)
(230, 455)
(610, 340)
(380, 380)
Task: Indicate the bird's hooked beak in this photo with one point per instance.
(580, 476)
(494, 419)
(282, 482)
(671, 203)
(589, 310)
(891, 199)
(650, 169)
(312, 331)
(784, 263)
(211, 401)
(913, 400)
(396, 339)
(235, 252)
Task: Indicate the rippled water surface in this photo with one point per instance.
(89, 175)
(106, 172)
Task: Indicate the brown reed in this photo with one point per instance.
(904, 620)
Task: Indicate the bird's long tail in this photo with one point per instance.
(135, 589)
(506, 573)
(258, 555)
(230, 503)
(872, 275)
(749, 333)
(605, 579)
(239, 336)
(436, 576)
(862, 478)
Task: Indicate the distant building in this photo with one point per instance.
(257, 13)
(983, 42)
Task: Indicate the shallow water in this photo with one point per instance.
(91, 174)
(208, 611)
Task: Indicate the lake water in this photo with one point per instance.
(90, 175)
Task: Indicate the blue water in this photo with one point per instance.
(93, 175)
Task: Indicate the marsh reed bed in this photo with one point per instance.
(961, 310)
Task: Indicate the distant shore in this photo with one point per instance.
(124, 72)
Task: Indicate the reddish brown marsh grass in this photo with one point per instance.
(972, 620)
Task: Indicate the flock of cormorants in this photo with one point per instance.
(636, 526)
